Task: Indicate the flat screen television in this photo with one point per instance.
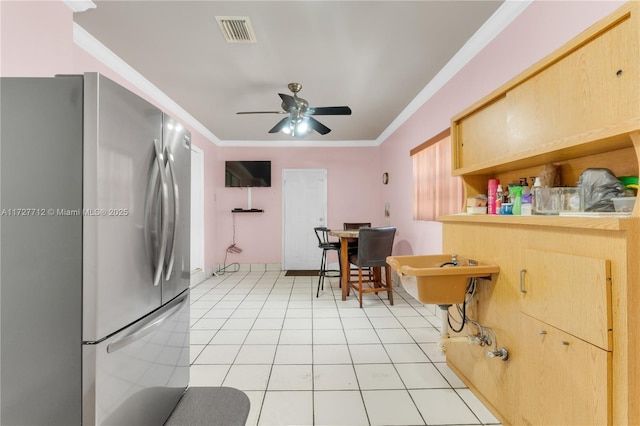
(240, 174)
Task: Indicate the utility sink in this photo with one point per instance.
(432, 279)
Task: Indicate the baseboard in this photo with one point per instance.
(244, 267)
(198, 277)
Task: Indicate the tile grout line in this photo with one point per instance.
(293, 295)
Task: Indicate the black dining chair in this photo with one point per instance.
(374, 245)
(352, 246)
(322, 234)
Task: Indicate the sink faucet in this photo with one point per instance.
(453, 262)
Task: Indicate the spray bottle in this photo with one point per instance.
(517, 199)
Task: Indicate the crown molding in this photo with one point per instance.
(505, 14)
(102, 53)
(502, 17)
(298, 143)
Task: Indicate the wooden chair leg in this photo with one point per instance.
(389, 283)
(360, 286)
(377, 277)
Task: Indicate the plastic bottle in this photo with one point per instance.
(499, 197)
(491, 195)
(536, 185)
(526, 208)
(517, 199)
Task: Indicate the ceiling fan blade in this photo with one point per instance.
(262, 112)
(335, 110)
(281, 125)
(288, 100)
(318, 126)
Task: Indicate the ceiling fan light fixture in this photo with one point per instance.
(300, 122)
(302, 128)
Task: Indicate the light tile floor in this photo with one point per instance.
(304, 360)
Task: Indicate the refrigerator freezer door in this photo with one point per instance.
(177, 265)
(41, 250)
(120, 129)
(137, 376)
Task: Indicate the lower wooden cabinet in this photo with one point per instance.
(568, 336)
(569, 292)
(565, 380)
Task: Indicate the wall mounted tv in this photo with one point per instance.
(247, 174)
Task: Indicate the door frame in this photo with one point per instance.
(199, 194)
(326, 202)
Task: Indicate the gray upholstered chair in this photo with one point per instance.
(374, 245)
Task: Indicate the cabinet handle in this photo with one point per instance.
(564, 343)
(542, 332)
(522, 290)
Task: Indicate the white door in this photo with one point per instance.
(304, 199)
(197, 210)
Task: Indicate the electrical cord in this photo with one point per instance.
(233, 248)
(462, 311)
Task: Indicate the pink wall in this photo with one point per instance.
(36, 40)
(353, 190)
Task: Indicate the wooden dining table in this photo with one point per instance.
(346, 236)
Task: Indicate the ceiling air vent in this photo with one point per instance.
(236, 29)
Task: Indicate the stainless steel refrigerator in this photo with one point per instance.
(94, 254)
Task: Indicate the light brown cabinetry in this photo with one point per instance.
(566, 301)
(583, 303)
(566, 339)
(590, 88)
(482, 134)
(567, 378)
(586, 92)
(569, 292)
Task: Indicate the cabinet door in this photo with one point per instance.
(480, 136)
(570, 292)
(593, 87)
(567, 379)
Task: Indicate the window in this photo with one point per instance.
(435, 191)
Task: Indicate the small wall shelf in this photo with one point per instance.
(248, 211)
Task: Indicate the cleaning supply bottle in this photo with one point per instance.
(491, 195)
(527, 208)
(499, 197)
(536, 185)
(517, 199)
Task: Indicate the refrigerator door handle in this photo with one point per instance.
(150, 324)
(164, 189)
(176, 212)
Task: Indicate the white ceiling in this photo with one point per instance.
(377, 57)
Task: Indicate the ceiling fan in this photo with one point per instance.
(300, 121)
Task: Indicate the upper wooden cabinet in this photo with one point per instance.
(591, 88)
(482, 134)
(583, 99)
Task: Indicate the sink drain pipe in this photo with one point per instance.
(444, 321)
